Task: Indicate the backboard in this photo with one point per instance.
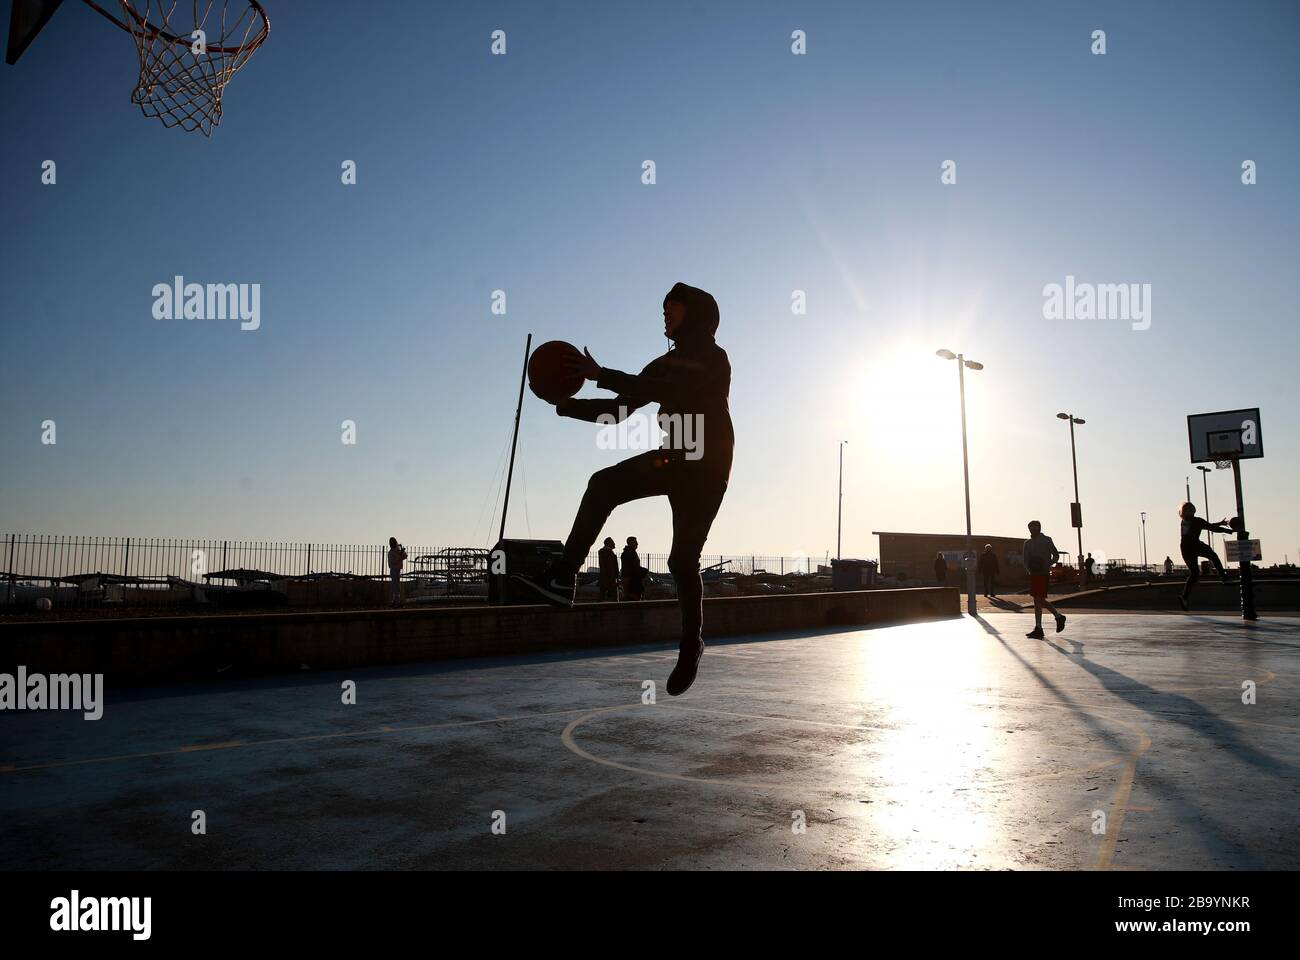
(1228, 435)
(26, 18)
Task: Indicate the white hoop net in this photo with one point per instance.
(183, 74)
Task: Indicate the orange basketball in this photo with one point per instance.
(549, 375)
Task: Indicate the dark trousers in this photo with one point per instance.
(1191, 557)
(609, 593)
(988, 584)
(694, 492)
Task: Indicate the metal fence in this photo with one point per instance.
(131, 572)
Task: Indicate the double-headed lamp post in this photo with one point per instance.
(1076, 511)
(969, 560)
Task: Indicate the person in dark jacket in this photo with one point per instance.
(1193, 548)
(608, 571)
(940, 570)
(988, 568)
(691, 384)
(633, 572)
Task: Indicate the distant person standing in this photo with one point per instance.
(396, 557)
(1169, 566)
(1193, 548)
(633, 572)
(940, 570)
(1087, 566)
(1039, 555)
(608, 571)
(988, 568)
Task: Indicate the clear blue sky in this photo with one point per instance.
(775, 173)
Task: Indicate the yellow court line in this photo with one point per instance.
(195, 748)
(1119, 802)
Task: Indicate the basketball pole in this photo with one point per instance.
(519, 406)
(1247, 580)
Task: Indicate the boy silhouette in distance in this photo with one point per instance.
(633, 572)
(608, 571)
(940, 570)
(396, 557)
(988, 567)
(691, 381)
(1192, 549)
(1039, 554)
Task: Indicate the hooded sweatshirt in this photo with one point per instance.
(693, 379)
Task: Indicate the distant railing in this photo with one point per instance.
(130, 572)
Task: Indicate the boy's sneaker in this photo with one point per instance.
(556, 585)
(683, 675)
(1036, 634)
(1184, 603)
(1060, 622)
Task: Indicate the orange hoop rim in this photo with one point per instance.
(143, 28)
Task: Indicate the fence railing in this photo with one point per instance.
(134, 572)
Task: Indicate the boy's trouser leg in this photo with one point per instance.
(695, 503)
(633, 479)
(1193, 571)
(1204, 550)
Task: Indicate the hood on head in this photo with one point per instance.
(701, 311)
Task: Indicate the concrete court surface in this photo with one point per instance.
(955, 744)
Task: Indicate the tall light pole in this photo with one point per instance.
(967, 561)
(1144, 541)
(839, 520)
(1076, 511)
(1205, 489)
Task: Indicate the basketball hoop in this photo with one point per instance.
(182, 79)
(1223, 464)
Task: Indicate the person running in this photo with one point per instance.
(396, 557)
(691, 382)
(1193, 548)
(633, 572)
(988, 568)
(608, 571)
(940, 570)
(1039, 554)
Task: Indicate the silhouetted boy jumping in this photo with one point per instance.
(689, 382)
(1193, 548)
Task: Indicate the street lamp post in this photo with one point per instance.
(839, 519)
(1144, 542)
(962, 365)
(1205, 489)
(1076, 511)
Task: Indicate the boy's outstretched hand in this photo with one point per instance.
(585, 365)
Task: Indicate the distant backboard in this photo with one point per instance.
(1228, 435)
(26, 18)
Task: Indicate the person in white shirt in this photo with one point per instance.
(1039, 554)
(396, 555)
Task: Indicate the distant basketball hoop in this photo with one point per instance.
(183, 75)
